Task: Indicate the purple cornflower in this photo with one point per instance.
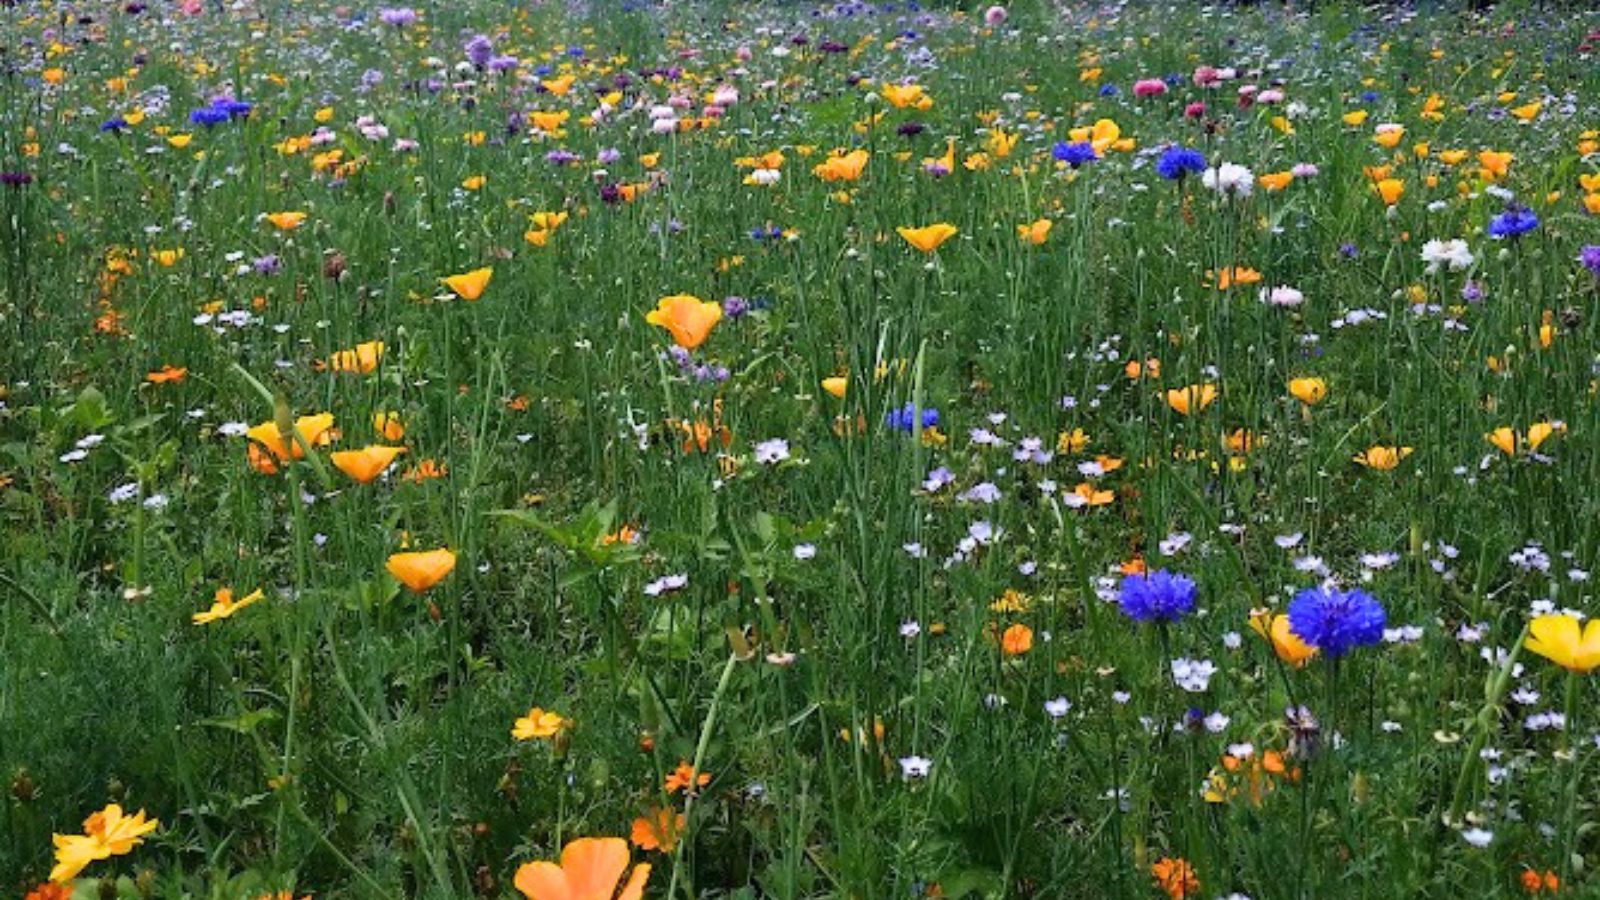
(15, 179)
(1590, 257)
(267, 265)
(1336, 622)
(479, 50)
(1158, 596)
(1177, 161)
(1074, 154)
(735, 307)
(1515, 222)
(399, 17)
(905, 418)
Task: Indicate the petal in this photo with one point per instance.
(593, 866)
(543, 881)
(635, 888)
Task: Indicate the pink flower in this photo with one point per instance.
(1207, 77)
(1247, 95)
(743, 54)
(1270, 96)
(1194, 110)
(1149, 87)
(994, 16)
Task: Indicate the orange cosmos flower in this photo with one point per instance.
(539, 724)
(420, 571)
(365, 464)
(1176, 877)
(107, 833)
(1089, 495)
(286, 221)
(688, 318)
(658, 830)
(168, 374)
(469, 285)
(1381, 457)
(1188, 400)
(590, 869)
(223, 605)
(684, 778)
(928, 237)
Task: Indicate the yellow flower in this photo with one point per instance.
(539, 724)
(1381, 457)
(388, 425)
(903, 95)
(1309, 391)
(474, 182)
(420, 571)
(688, 318)
(1187, 400)
(361, 359)
(286, 221)
(107, 833)
(1528, 111)
(836, 385)
(928, 237)
(469, 285)
(1035, 232)
(365, 464)
(167, 258)
(1389, 135)
(1285, 643)
(842, 166)
(1566, 642)
(1390, 190)
(179, 141)
(223, 605)
(1356, 118)
(315, 431)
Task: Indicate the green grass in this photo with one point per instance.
(348, 737)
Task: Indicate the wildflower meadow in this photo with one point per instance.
(906, 449)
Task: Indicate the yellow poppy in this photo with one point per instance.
(1381, 457)
(1565, 641)
(1309, 390)
(223, 605)
(1188, 400)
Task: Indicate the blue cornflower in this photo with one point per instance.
(905, 418)
(117, 125)
(1336, 622)
(1108, 90)
(1589, 256)
(1513, 223)
(1177, 161)
(1370, 96)
(1074, 154)
(766, 233)
(208, 116)
(1158, 596)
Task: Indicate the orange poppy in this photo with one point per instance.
(420, 571)
(365, 464)
(469, 285)
(688, 318)
(590, 869)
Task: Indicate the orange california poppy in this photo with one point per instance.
(365, 464)
(1188, 400)
(420, 571)
(167, 374)
(469, 285)
(928, 237)
(688, 318)
(361, 359)
(590, 869)
(314, 431)
(658, 829)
